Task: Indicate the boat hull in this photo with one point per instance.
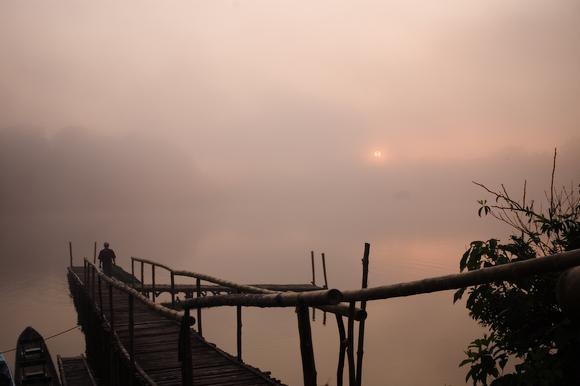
(34, 366)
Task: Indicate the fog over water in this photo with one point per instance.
(233, 137)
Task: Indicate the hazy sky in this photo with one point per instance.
(221, 135)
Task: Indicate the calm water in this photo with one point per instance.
(411, 341)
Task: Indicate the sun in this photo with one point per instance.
(378, 154)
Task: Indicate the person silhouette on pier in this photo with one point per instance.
(107, 259)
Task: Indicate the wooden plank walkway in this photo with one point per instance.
(156, 344)
(75, 371)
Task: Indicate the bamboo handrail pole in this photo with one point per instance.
(338, 308)
(284, 299)
(148, 261)
(341, 309)
(167, 312)
(511, 271)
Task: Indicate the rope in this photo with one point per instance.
(50, 337)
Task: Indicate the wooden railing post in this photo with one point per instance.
(132, 271)
(361, 324)
(95, 253)
(199, 328)
(153, 282)
(306, 349)
(350, 346)
(85, 273)
(70, 253)
(111, 313)
(185, 350)
(239, 331)
(100, 296)
(325, 283)
(172, 288)
(341, 350)
(313, 282)
(142, 279)
(131, 338)
(94, 271)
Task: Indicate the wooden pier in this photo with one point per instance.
(131, 342)
(132, 339)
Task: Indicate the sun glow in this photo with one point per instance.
(378, 154)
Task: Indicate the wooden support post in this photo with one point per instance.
(313, 282)
(131, 338)
(111, 313)
(325, 283)
(185, 351)
(306, 349)
(341, 349)
(199, 328)
(94, 274)
(100, 296)
(95, 253)
(153, 282)
(324, 270)
(85, 273)
(350, 347)
(70, 253)
(239, 331)
(132, 271)
(172, 289)
(142, 279)
(361, 324)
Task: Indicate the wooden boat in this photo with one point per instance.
(34, 365)
(5, 375)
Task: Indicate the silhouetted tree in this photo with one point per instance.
(527, 326)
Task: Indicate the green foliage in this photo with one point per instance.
(527, 325)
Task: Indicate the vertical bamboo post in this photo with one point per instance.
(111, 313)
(70, 253)
(94, 271)
(341, 350)
(85, 274)
(361, 324)
(325, 283)
(199, 328)
(313, 270)
(142, 279)
(95, 253)
(172, 289)
(131, 337)
(239, 331)
(306, 348)
(132, 271)
(153, 282)
(100, 297)
(350, 346)
(324, 270)
(185, 350)
(313, 282)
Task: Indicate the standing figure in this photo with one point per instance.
(107, 259)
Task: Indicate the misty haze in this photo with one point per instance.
(233, 138)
